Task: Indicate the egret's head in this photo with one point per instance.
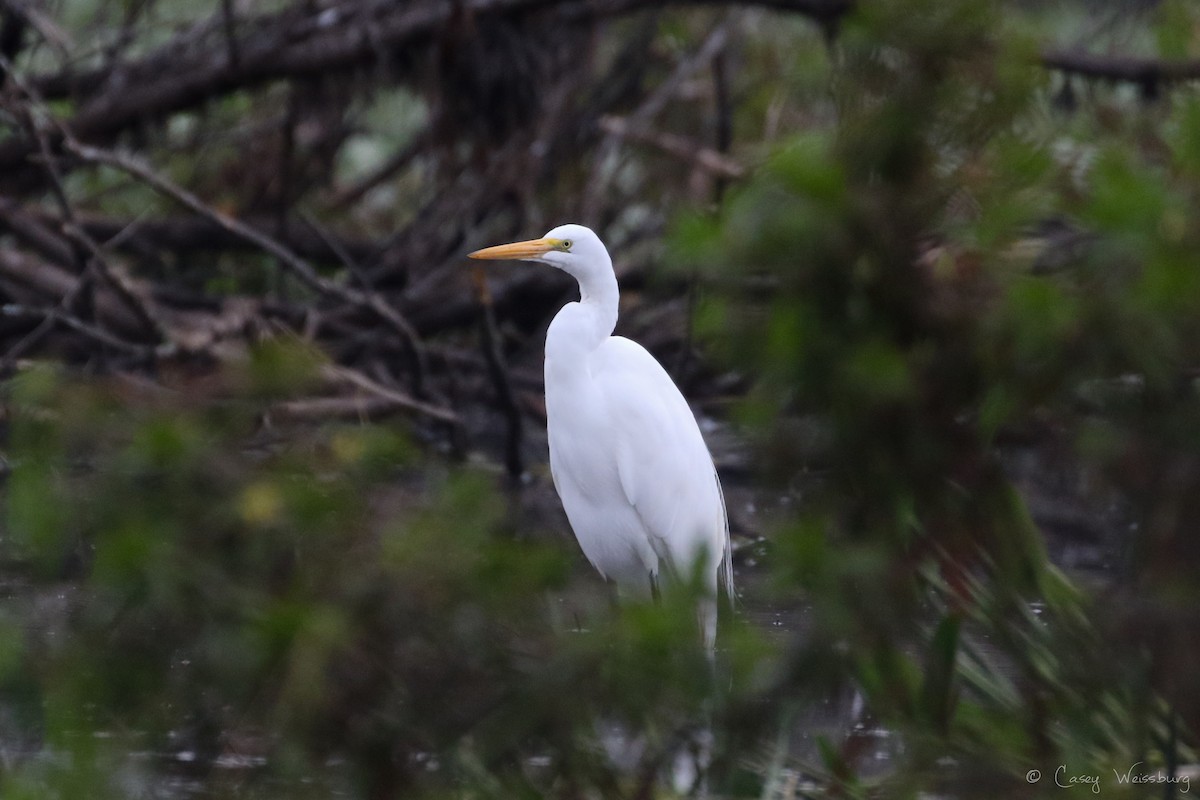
(572, 248)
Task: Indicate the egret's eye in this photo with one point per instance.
(566, 244)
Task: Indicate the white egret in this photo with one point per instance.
(627, 457)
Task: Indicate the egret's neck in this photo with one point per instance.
(599, 295)
(580, 327)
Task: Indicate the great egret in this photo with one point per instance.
(628, 461)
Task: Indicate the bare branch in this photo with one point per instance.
(1129, 69)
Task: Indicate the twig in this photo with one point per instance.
(59, 315)
(710, 48)
(679, 146)
(120, 284)
(26, 277)
(50, 32)
(354, 408)
(336, 247)
(137, 169)
(352, 194)
(650, 108)
(361, 381)
(453, 358)
(26, 343)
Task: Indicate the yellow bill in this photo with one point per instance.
(518, 250)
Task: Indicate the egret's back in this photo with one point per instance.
(663, 463)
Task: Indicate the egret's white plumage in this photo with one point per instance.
(628, 460)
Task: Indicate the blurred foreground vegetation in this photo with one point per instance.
(255, 545)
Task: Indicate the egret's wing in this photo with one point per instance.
(664, 466)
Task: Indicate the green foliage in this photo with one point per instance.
(907, 313)
(301, 598)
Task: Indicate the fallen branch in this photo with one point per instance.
(34, 283)
(300, 268)
(380, 400)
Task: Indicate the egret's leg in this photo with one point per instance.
(692, 759)
(707, 613)
(638, 591)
